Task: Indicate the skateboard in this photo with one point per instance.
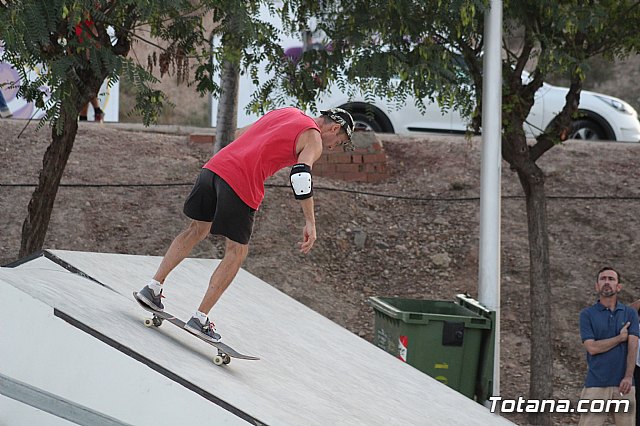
(225, 352)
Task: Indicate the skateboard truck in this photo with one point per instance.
(221, 358)
(225, 352)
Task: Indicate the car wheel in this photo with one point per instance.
(587, 130)
(365, 122)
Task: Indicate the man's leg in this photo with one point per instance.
(181, 247)
(233, 219)
(629, 418)
(151, 294)
(594, 419)
(234, 256)
(83, 112)
(98, 114)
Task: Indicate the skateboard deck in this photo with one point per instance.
(225, 352)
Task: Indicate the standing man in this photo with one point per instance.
(230, 188)
(609, 332)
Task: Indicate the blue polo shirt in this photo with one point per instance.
(597, 322)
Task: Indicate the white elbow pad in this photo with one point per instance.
(301, 181)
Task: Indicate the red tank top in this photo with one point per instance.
(266, 147)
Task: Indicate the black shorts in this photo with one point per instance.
(213, 200)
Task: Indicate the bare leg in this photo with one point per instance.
(98, 114)
(234, 256)
(84, 110)
(181, 247)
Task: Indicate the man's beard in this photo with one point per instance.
(608, 292)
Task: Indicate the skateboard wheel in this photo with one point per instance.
(217, 360)
(226, 359)
(157, 321)
(148, 322)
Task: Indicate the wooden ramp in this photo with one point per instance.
(71, 328)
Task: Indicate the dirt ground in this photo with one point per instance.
(414, 235)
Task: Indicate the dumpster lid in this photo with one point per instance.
(473, 305)
(421, 311)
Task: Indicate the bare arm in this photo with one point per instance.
(632, 353)
(309, 231)
(309, 148)
(595, 347)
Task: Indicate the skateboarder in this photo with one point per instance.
(230, 188)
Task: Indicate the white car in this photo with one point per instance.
(602, 117)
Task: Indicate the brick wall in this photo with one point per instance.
(367, 163)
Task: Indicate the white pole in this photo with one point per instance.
(489, 256)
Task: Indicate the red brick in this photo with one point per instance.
(355, 176)
(331, 174)
(356, 158)
(349, 168)
(202, 138)
(319, 167)
(343, 158)
(324, 168)
(374, 158)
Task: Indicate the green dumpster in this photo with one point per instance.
(440, 338)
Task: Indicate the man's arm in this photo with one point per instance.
(309, 231)
(311, 149)
(595, 347)
(632, 353)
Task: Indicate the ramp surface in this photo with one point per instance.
(311, 372)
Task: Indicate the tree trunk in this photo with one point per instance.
(34, 228)
(227, 118)
(541, 376)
